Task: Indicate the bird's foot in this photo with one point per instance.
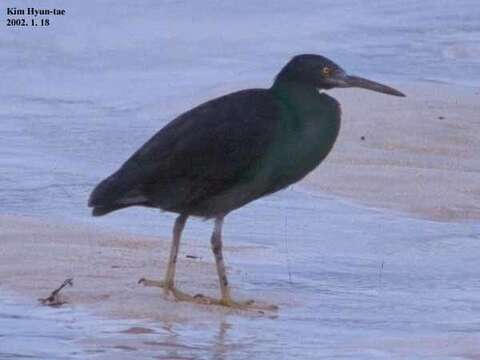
(244, 305)
(168, 289)
(207, 300)
(177, 294)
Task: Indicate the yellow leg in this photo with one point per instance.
(226, 298)
(169, 281)
(168, 284)
(216, 242)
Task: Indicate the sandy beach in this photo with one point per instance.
(419, 155)
(38, 256)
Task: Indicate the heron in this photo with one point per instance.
(230, 151)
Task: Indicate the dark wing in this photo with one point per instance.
(203, 152)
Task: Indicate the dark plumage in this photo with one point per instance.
(234, 149)
(193, 160)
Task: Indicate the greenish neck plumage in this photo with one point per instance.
(308, 126)
(299, 102)
(304, 106)
(296, 97)
(287, 86)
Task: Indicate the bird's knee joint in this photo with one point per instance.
(217, 249)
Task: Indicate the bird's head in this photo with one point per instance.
(319, 72)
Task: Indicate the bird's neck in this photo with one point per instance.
(298, 98)
(308, 125)
(292, 90)
(304, 108)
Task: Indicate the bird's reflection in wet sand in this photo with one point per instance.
(170, 346)
(177, 342)
(220, 350)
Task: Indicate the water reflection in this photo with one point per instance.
(219, 350)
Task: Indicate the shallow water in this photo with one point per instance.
(82, 95)
(30, 332)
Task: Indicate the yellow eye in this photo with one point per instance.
(326, 71)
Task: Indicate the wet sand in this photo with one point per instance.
(107, 313)
(418, 154)
(38, 256)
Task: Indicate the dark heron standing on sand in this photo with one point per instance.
(230, 151)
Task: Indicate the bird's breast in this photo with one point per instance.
(304, 136)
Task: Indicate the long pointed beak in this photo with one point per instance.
(355, 81)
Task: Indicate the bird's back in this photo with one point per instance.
(202, 154)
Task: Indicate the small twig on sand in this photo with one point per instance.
(54, 299)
